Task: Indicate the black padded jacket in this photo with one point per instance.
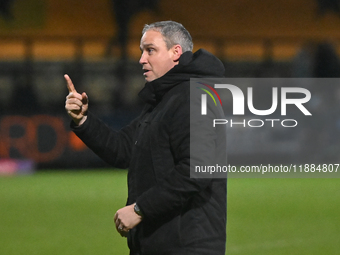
(182, 215)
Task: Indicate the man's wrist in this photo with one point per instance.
(137, 210)
(81, 122)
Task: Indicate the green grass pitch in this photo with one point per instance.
(71, 213)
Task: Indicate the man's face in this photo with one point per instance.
(156, 58)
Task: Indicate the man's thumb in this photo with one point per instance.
(85, 99)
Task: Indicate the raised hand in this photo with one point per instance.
(76, 104)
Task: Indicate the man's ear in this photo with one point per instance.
(177, 52)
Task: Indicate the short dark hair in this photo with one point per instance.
(173, 33)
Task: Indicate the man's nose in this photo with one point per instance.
(143, 59)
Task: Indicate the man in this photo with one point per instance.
(167, 212)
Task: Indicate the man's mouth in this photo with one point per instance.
(146, 71)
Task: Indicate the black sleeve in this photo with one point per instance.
(112, 146)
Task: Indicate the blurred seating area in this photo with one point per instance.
(32, 68)
(95, 47)
(40, 40)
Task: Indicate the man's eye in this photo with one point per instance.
(150, 50)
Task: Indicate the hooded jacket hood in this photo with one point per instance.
(191, 65)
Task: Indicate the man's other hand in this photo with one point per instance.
(76, 104)
(126, 219)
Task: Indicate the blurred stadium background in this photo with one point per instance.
(56, 211)
(97, 44)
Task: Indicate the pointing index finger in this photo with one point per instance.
(70, 85)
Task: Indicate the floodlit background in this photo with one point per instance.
(57, 197)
